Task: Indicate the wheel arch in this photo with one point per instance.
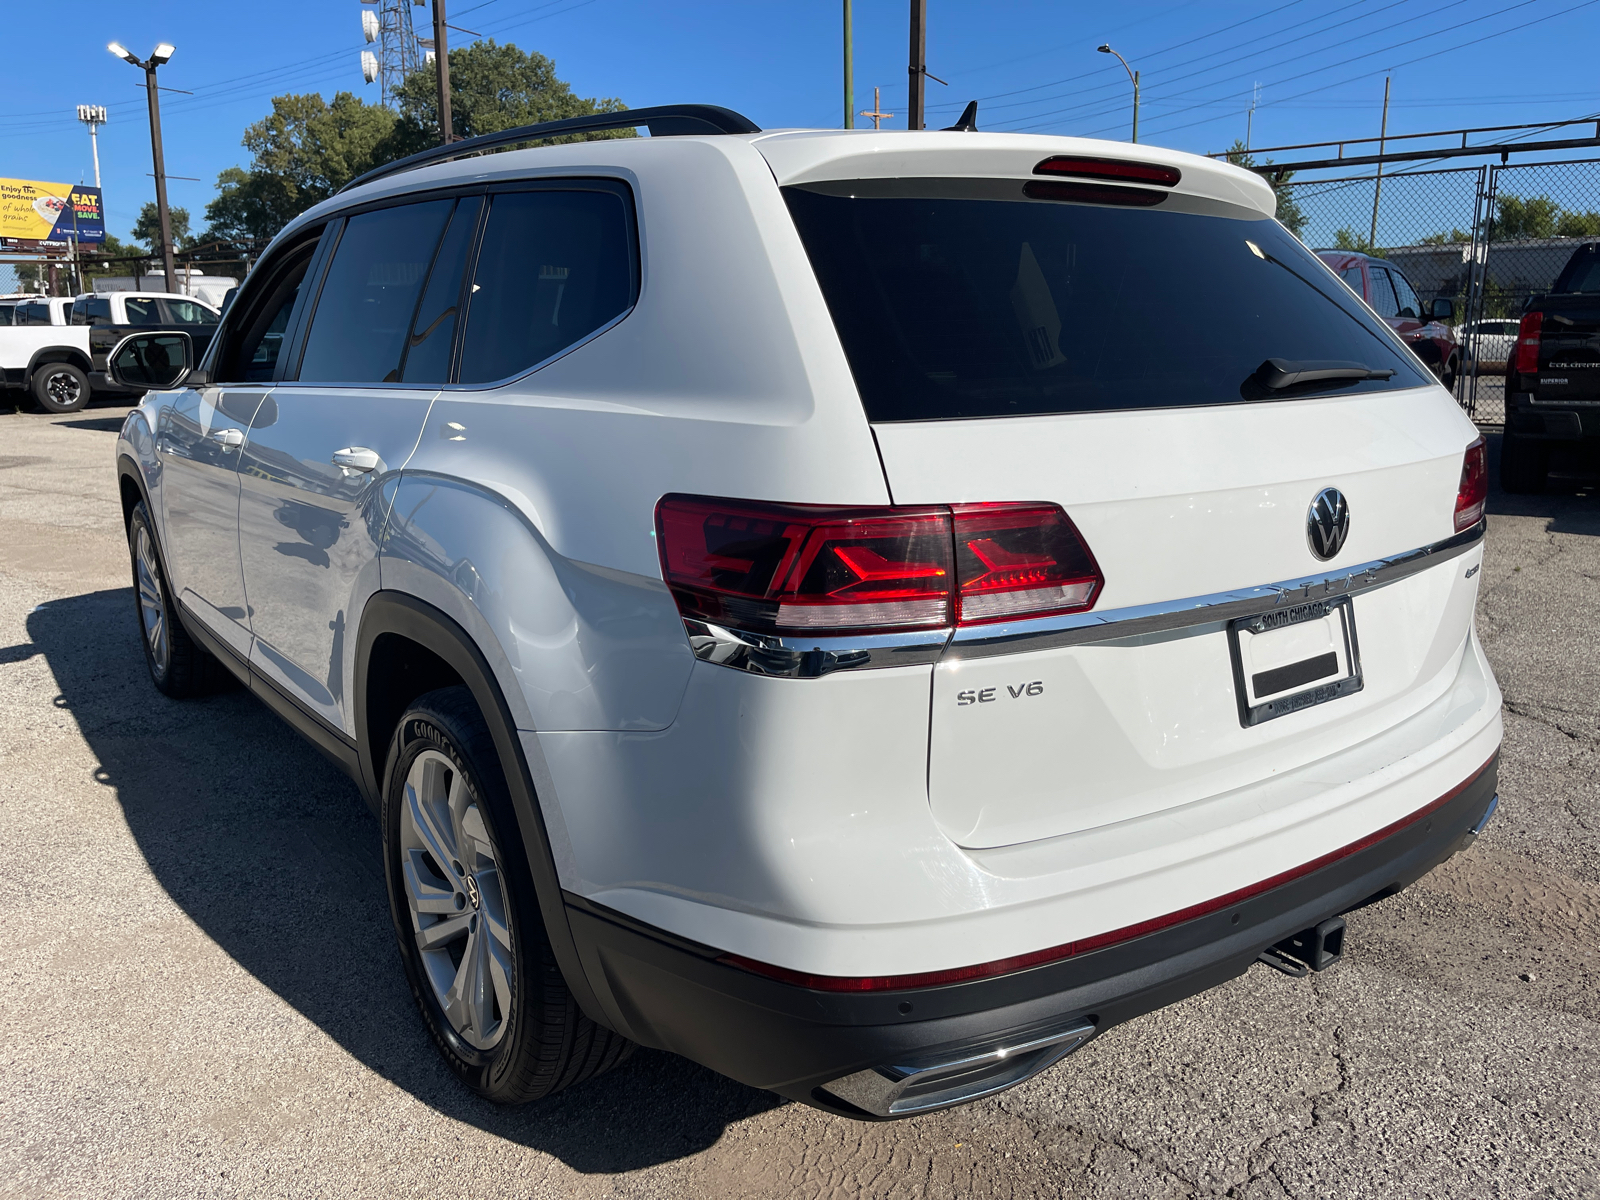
(406, 647)
(131, 485)
(58, 354)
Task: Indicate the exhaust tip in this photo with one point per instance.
(957, 1075)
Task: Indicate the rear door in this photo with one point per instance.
(344, 418)
(1127, 361)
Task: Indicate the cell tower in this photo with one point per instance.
(398, 53)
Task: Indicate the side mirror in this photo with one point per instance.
(151, 361)
(1443, 310)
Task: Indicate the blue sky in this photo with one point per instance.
(1032, 65)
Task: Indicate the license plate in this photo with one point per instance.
(1294, 658)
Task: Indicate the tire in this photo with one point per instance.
(1524, 464)
(60, 388)
(466, 916)
(179, 666)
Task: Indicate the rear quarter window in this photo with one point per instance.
(960, 299)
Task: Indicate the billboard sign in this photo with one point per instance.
(52, 213)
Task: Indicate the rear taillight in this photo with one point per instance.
(1109, 168)
(797, 569)
(1021, 560)
(1473, 493)
(1528, 343)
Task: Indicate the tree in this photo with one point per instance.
(1294, 220)
(1348, 239)
(304, 151)
(147, 228)
(1519, 218)
(492, 87)
(1446, 239)
(1578, 224)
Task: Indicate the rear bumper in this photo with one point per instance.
(675, 995)
(1549, 420)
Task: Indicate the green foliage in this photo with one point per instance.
(492, 87)
(1446, 239)
(1349, 239)
(147, 228)
(304, 151)
(308, 148)
(1289, 212)
(1540, 217)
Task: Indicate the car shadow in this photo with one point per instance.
(272, 852)
(1570, 502)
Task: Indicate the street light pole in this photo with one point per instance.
(919, 64)
(849, 71)
(1134, 77)
(158, 56)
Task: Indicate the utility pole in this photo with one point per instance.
(918, 70)
(1377, 187)
(1250, 121)
(158, 56)
(849, 71)
(441, 59)
(877, 114)
(94, 116)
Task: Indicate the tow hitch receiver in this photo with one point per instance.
(1309, 950)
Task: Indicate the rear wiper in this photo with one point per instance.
(1279, 373)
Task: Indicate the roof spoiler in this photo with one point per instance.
(666, 120)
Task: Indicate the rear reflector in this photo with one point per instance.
(1528, 343)
(1473, 493)
(801, 569)
(1109, 168)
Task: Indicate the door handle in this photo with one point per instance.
(356, 460)
(228, 439)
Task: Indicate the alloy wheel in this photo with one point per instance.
(458, 905)
(62, 388)
(152, 605)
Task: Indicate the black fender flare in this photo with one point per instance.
(59, 354)
(390, 612)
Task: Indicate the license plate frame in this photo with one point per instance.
(1308, 697)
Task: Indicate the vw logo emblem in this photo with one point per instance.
(1328, 523)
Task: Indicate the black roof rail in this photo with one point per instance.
(665, 120)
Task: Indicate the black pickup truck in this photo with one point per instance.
(1553, 376)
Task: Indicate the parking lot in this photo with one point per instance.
(201, 995)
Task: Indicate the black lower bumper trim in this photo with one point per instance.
(674, 995)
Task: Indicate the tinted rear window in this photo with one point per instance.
(1582, 272)
(997, 304)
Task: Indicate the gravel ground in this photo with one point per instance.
(200, 996)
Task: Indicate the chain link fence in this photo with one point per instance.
(1485, 238)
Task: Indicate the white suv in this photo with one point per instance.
(864, 611)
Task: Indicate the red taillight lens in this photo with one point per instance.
(1109, 168)
(1021, 560)
(1528, 343)
(799, 569)
(1473, 493)
(777, 568)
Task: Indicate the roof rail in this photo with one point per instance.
(666, 120)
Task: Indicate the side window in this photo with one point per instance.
(7, 314)
(248, 350)
(142, 311)
(1383, 301)
(80, 311)
(363, 315)
(427, 357)
(554, 267)
(1410, 306)
(187, 312)
(1352, 276)
(99, 310)
(33, 314)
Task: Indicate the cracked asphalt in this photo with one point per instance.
(200, 997)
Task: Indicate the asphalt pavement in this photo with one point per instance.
(201, 997)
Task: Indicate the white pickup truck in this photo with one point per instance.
(54, 348)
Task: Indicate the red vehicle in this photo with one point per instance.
(1383, 286)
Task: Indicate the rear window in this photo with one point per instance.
(993, 303)
(1582, 272)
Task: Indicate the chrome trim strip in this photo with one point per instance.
(981, 641)
(810, 657)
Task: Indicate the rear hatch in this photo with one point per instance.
(1178, 373)
(1565, 331)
